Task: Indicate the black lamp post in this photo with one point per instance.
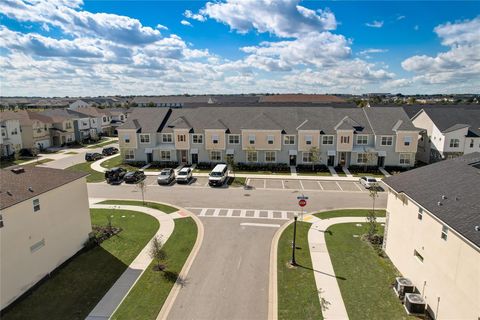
(294, 262)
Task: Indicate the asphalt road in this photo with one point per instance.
(73, 159)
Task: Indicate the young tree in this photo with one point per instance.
(372, 217)
(231, 165)
(315, 156)
(142, 186)
(158, 253)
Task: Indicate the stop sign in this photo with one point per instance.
(302, 203)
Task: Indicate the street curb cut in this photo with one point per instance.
(167, 305)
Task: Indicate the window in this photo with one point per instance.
(308, 140)
(386, 141)
(407, 141)
(405, 158)
(251, 139)
(165, 155)
(215, 139)
(420, 214)
(104, 119)
(270, 139)
(197, 138)
(167, 138)
(345, 139)
(68, 125)
(252, 156)
(181, 138)
(129, 154)
(145, 138)
(444, 233)
(418, 255)
(362, 158)
(85, 124)
(362, 140)
(234, 139)
(126, 138)
(121, 118)
(471, 143)
(37, 246)
(215, 156)
(307, 157)
(1, 221)
(327, 140)
(454, 143)
(289, 140)
(270, 156)
(14, 131)
(36, 205)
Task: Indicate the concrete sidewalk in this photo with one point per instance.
(117, 293)
(324, 273)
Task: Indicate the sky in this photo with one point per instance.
(91, 48)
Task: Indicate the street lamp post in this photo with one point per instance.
(294, 262)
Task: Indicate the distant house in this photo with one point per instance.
(313, 98)
(171, 101)
(447, 132)
(10, 138)
(82, 123)
(432, 234)
(78, 104)
(34, 127)
(117, 117)
(99, 118)
(44, 220)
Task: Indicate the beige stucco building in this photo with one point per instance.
(44, 221)
(432, 234)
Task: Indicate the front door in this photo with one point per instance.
(183, 156)
(194, 158)
(331, 161)
(381, 162)
(343, 159)
(149, 157)
(293, 160)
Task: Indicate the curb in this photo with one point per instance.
(168, 304)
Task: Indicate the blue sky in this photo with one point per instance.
(62, 47)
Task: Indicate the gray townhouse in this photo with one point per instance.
(253, 134)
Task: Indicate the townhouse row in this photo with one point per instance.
(26, 129)
(288, 135)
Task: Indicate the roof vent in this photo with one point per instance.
(30, 189)
(477, 228)
(444, 197)
(18, 170)
(439, 203)
(457, 198)
(9, 193)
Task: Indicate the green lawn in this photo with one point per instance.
(74, 290)
(347, 213)
(264, 172)
(162, 207)
(366, 290)
(117, 162)
(102, 144)
(237, 182)
(94, 176)
(297, 292)
(148, 295)
(368, 174)
(324, 174)
(5, 163)
(42, 161)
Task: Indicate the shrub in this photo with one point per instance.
(273, 167)
(309, 167)
(367, 169)
(164, 164)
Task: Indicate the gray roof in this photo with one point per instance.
(448, 119)
(146, 119)
(457, 179)
(16, 188)
(385, 120)
(172, 99)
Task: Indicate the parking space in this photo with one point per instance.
(292, 184)
(330, 186)
(350, 186)
(274, 184)
(311, 185)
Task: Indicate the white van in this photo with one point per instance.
(219, 175)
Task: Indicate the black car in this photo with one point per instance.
(134, 177)
(93, 156)
(115, 175)
(109, 151)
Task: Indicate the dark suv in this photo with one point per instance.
(115, 175)
(134, 177)
(93, 156)
(109, 151)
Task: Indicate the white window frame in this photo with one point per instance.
(167, 138)
(270, 139)
(126, 138)
(286, 139)
(234, 139)
(163, 155)
(181, 137)
(407, 141)
(36, 205)
(404, 157)
(271, 160)
(215, 139)
(308, 140)
(129, 154)
(198, 137)
(444, 234)
(386, 141)
(251, 139)
(327, 140)
(362, 158)
(143, 136)
(362, 137)
(454, 143)
(309, 157)
(252, 153)
(216, 152)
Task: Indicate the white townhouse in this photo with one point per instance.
(10, 138)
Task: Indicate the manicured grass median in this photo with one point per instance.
(117, 162)
(102, 144)
(237, 181)
(148, 295)
(297, 292)
(94, 176)
(42, 161)
(74, 290)
(347, 213)
(320, 173)
(162, 207)
(366, 289)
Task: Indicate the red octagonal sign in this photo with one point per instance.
(302, 203)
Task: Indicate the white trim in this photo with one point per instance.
(303, 156)
(256, 156)
(164, 135)
(381, 143)
(127, 150)
(145, 135)
(275, 155)
(361, 135)
(289, 135)
(328, 136)
(234, 135)
(210, 155)
(197, 135)
(169, 155)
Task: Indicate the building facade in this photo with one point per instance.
(10, 138)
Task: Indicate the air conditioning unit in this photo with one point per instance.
(403, 286)
(414, 304)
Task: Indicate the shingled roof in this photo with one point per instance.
(447, 119)
(448, 189)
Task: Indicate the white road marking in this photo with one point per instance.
(357, 186)
(243, 213)
(339, 186)
(229, 212)
(301, 184)
(203, 212)
(216, 212)
(284, 215)
(256, 213)
(320, 185)
(268, 225)
(264, 183)
(283, 184)
(270, 214)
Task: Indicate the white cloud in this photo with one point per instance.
(373, 50)
(400, 18)
(283, 18)
(459, 33)
(195, 16)
(186, 23)
(374, 24)
(161, 27)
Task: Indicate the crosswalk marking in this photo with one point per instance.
(203, 212)
(229, 212)
(216, 212)
(244, 213)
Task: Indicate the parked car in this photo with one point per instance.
(166, 176)
(219, 175)
(115, 175)
(109, 151)
(134, 177)
(368, 182)
(184, 175)
(93, 156)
